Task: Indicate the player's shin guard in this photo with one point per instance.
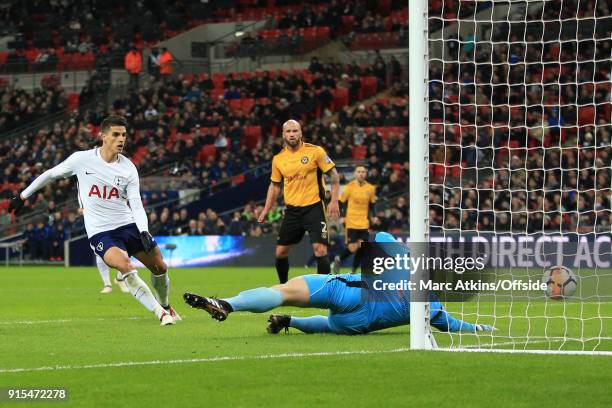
(312, 324)
(323, 267)
(142, 293)
(357, 259)
(282, 269)
(104, 271)
(256, 300)
(161, 284)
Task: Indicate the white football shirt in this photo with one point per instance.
(104, 190)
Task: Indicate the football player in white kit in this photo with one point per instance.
(107, 181)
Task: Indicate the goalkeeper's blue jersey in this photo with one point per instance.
(355, 307)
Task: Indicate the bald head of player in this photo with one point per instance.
(360, 174)
(113, 133)
(292, 134)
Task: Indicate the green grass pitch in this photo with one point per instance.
(56, 330)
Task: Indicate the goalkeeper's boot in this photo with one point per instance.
(172, 312)
(484, 328)
(165, 319)
(218, 309)
(278, 323)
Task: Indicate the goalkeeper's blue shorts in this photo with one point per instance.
(342, 295)
(351, 311)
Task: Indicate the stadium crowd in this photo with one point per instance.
(173, 121)
(520, 136)
(521, 131)
(20, 107)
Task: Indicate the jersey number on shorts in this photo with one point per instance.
(323, 230)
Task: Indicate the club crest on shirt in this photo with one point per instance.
(119, 181)
(304, 159)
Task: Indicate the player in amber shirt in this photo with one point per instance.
(358, 195)
(300, 167)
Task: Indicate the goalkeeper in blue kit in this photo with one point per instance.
(350, 311)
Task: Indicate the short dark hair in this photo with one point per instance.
(112, 121)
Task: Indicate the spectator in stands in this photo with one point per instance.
(175, 223)
(402, 206)
(315, 66)
(57, 236)
(153, 63)
(165, 65)
(165, 224)
(236, 224)
(40, 248)
(41, 61)
(133, 65)
(232, 93)
(395, 70)
(380, 71)
(154, 224)
(221, 141)
(192, 228)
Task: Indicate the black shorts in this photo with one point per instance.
(355, 235)
(298, 220)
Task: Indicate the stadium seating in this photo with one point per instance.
(174, 142)
(77, 46)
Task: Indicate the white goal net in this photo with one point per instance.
(520, 128)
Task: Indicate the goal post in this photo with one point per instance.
(510, 143)
(419, 158)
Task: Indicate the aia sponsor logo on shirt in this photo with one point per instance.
(105, 192)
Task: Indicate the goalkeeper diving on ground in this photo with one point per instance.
(350, 312)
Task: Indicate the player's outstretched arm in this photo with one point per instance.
(273, 193)
(333, 210)
(64, 169)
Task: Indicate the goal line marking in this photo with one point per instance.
(201, 360)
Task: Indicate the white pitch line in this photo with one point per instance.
(104, 319)
(200, 360)
(59, 321)
(483, 348)
(522, 351)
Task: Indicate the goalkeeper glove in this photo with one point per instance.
(16, 204)
(147, 241)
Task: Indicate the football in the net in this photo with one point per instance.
(561, 283)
